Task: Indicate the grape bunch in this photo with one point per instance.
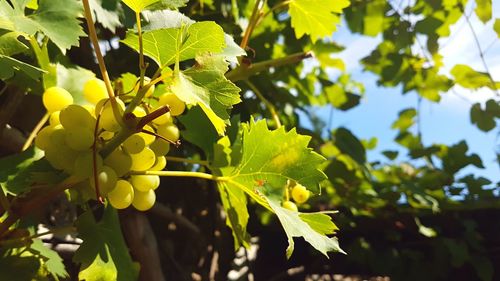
(77, 133)
(299, 194)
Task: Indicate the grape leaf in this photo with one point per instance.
(72, 79)
(316, 17)
(103, 254)
(485, 119)
(8, 66)
(198, 130)
(168, 4)
(9, 45)
(269, 159)
(16, 169)
(57, 19)
(235, 205)
(164, 46)
(313, 228)
(483, 10)
(165, 19)
(467, 77)
(496, 27)
(205, 85)
(109, 19)
(139, 5)
(52, 261)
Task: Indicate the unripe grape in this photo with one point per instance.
(160, 164)
(164, 119)
(61, 157)
(80, 139)
(139, 111)
(58, 136)
(144, 183)
(300, 194)
(54, 118)
(76, 116)
(43, 138)
(107, 103)
(160, 147)
(122, 195)
(120, 161)
(176, 105)
(170, 132)
(143, 160)
(134, 144)
(106, 135)
(107, 179)
(108, 120)
(94, 90)
(84, 164)
(148, 138)
(143, 201)
(290, 206)
(56, 98)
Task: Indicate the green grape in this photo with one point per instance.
(108, 120)
(160, 147)
(148, 139)
(54, 118)
(139, 111)
(61, 157)
(56, 98)
(143, 160)
(176, 105)
(122, 195)
(58, 136)
(144, 201)
(300, 194)
(120, 161)
(290, 206)
(170, 132)
(107, 103)
(145, 183)
(164, 119)
(79, 138)
(106, 135)
(160, 164)
(43, 138)
(84, 165)
(107, 179)
(134, 144)
(76, 116)
(94, 90)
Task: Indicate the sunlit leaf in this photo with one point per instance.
(315, 17)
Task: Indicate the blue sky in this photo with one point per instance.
(445, 122)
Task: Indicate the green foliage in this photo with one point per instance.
(8, 67)
(315, 18)
(103, 255)
(205, 85)
(170, 45)
(56, 19)
(387, 207)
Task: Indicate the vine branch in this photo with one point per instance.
(244, 71)
(35, 131)
(100, 60)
